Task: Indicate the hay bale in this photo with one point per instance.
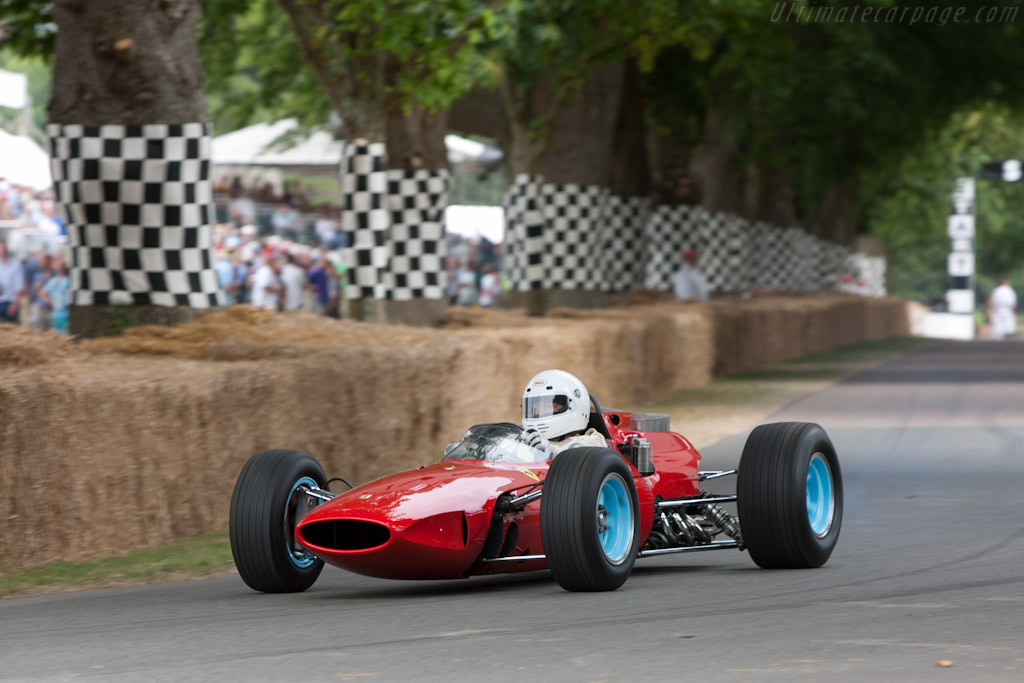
(756, 332)
(23, 347)
(127, 442)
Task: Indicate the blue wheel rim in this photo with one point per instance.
(299, 557)
(821, 504)
(614, 518)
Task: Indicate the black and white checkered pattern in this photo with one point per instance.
(832, 266)
(755, 254)
(571, 237)
(417, 200)
(365, 220)
(549, 245)
(670, 231)
(797, 253)
(572, 220)
(137, 201)
(724, 252)
(524, 233)
(773, 258)
(622, 237)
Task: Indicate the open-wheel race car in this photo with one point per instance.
(496, 503)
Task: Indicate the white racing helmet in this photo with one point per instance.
(555, 403)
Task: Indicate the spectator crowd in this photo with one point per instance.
(273, 252)
(34, 283)
(279, 251)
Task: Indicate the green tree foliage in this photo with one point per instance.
(558, 43)
(914, 203)
(27, 27)
(253, 68)
(828, 100)
(38, 73)
(365, 57)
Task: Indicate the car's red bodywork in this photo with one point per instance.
(436, 522)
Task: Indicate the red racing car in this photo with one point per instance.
(495, 504)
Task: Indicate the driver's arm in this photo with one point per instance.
(533, 439)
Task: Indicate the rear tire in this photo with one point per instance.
(590, 519)
(264, 511)
(789, 495)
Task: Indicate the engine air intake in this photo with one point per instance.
(345, 534)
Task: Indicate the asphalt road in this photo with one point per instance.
(929, 567)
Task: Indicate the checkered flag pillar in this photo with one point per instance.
(801, 254)
(524, 230)
(572, 224)
(832, 266)
(417, 200)
(622, 242)
(137, 201)
(790, 249)
(365, 220)
(723, 252)
(671, 230)
(773, 259)
(815, 255)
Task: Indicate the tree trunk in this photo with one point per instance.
(772, 199)
(716, 167)
(838, 215)
(631, 169)
(415, 140)
(356, 88)
(119, 68)
(418, 177)
(127, 63)
(579, 141)
(480, 112)
(107, 321)
(565, 139)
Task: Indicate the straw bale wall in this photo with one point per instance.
(115, 444)
(753, 333)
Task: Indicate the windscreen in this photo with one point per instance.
(498, 442)
(535, 407)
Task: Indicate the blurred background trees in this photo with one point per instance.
(844, 128)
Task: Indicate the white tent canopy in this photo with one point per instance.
(475, 222)
(23, 162)
(255, 145)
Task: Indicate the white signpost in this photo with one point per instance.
(961, 264)
(961, 259)
(960, 227)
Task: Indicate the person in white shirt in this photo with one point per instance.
(489, 286)
(688, 283)
(1003, 307)
(266, 285)
(293, 280)
(12, 285)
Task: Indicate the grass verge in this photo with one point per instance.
(185, 558)
(725, 406)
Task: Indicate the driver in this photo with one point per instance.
(556, 412)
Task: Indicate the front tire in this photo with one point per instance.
(265, 507)
(589, 519)
(789, 495)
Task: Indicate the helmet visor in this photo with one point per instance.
(536, 407)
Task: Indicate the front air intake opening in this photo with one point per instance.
(345, 534)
